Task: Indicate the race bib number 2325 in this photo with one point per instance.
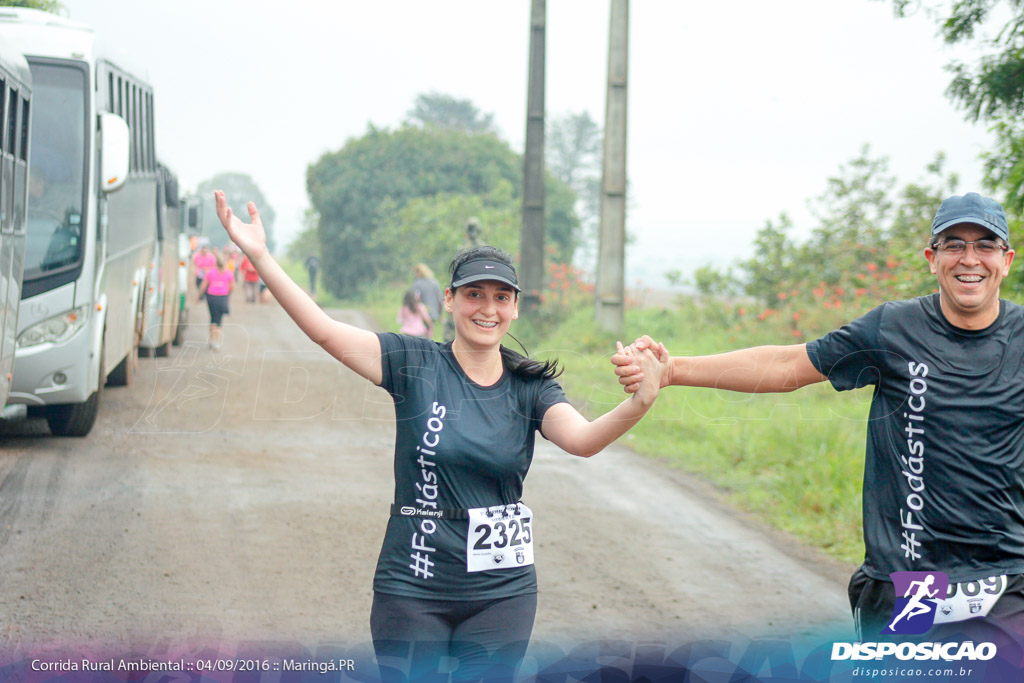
(499, 537)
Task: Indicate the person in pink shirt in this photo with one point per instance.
(414, 317)
(218, 284)
(202, 260)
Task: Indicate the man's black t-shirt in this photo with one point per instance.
(944, 470)
(458, 445)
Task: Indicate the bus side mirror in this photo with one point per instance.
(116, 147)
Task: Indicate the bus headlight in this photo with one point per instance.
(57, 329)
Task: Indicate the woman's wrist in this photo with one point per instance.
(642, 400)
(261, 258)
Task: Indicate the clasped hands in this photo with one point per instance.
(644, 359)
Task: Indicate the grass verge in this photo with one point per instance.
(794, 460)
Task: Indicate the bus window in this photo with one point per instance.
(6, 186)
(15, 141)
(20, 169)
(143, 130)
(56, 175)
(12, 119)
(149, 132)
(25, 113)
(3, 108)
(136, 142)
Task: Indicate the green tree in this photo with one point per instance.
(306, 242)
(573, 155)
(911, 227)
(1004, 166)
(573, 151)
(445, 111)
(851, 216)
(994, 88)
(435, 225)
(360, 191)
(991, 90)
(239, 190)
(773, 263)
(51, 6)
(866, 247)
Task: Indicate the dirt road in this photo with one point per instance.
(242, 496)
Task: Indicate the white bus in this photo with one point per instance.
(15, 113)
(88, 246)
(163, 307)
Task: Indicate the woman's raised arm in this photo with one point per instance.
(357, 348)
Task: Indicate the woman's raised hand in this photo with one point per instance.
(250, 237)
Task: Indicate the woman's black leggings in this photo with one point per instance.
(218, 305)
(418, 640)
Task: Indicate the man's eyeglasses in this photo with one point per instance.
(955, 247)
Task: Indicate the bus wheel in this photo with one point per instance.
(163, 350)
(121, 376)
(179, 332)
(76, 419)
(73, 419)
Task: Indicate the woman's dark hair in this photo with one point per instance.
(514, 362)
(409, 300)
(518, 364)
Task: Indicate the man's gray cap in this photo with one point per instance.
(975, 209)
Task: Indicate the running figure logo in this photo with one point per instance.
(917, 595)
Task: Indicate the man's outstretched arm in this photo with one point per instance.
(759, 369)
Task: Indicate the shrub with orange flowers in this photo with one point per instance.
(867, 248)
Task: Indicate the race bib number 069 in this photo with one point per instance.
(499, 537)
(970, 599)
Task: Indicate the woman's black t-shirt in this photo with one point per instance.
(458, 445)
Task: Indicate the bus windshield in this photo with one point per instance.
(57, 167)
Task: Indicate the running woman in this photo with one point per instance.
(455, 577)
(202, 260)
(217, 285)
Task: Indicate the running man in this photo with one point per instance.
(944, 468)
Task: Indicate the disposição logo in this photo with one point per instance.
(917, 598)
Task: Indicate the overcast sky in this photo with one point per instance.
(737, 110)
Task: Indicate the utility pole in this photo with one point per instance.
(611, 258)
(531, 267)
